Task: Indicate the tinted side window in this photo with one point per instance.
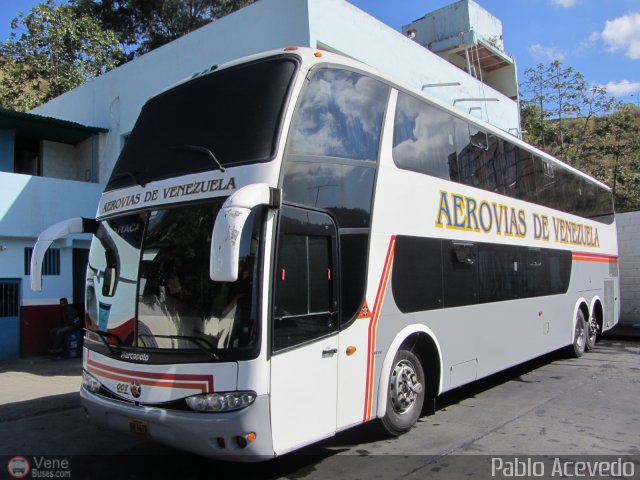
(305, 299)
(488, 173)
(460, 273)
(502, 272)
(417, 274)
(353, 273)
(340, 116)
(344, 190)
(423, 138)
(510, 170)
(548, 272)
(526, 177)
(469, 273)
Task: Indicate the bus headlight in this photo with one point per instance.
(221, 402)
(90, 382)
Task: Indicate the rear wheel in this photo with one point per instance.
(406, 391)
(591, 332)
(579, 335)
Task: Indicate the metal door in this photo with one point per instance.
(9, 319)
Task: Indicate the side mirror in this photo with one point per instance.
(46, 238)
(227, 229)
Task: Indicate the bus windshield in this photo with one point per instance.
(162, 273)
(219, 119)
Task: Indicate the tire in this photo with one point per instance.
(579, 335)
(591, 333)
(406, 393)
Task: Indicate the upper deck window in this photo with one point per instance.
(234, 113)
(423, 139)
(340, 116)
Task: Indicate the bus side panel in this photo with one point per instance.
(477, 339)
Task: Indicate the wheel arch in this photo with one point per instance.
(425, 346)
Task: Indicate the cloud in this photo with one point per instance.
(622, 88)
(540, 53)
(622, 34)
(564, 3)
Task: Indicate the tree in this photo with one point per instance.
(535, 110)
(143, 25)
(613, 155)
(57, 50)
(585, 127)
(558, 108)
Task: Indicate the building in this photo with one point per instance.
(481, 81)
(47, 173)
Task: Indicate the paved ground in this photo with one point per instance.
(32, 386)
(553, 406)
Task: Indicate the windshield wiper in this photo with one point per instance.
(128, 174)
(198, 148)
(104, 336)
(201, 343)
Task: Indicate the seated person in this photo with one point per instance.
(69, 322)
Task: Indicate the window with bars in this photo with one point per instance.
(9, 299)
(50, 264)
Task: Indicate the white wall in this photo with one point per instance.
(53, 286)
(30, 204)
(67, 162)
(59, 160)
(629, 250)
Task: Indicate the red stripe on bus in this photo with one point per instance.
(373, 323)
(208, 379)
(165, 384)
(593, 257)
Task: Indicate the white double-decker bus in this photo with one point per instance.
(292, 244)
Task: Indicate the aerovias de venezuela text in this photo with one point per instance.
(460, 212)
(184, 190)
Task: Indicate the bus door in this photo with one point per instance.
(304, 335)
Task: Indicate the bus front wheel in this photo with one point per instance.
(579, 335)
(405, 395)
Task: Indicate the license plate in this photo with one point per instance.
(138, 427)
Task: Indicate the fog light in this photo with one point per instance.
(90, 382)
(221, 402)
(241, 441)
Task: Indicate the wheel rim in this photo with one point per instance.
(580, 339)
(404, 386)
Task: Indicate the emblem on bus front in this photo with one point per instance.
(136, 389)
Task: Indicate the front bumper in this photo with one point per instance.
(209, 434)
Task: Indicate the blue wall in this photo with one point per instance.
(9, 338)
(7, 141)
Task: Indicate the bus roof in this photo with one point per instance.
(311, 57)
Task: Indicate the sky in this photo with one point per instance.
(600, 38)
